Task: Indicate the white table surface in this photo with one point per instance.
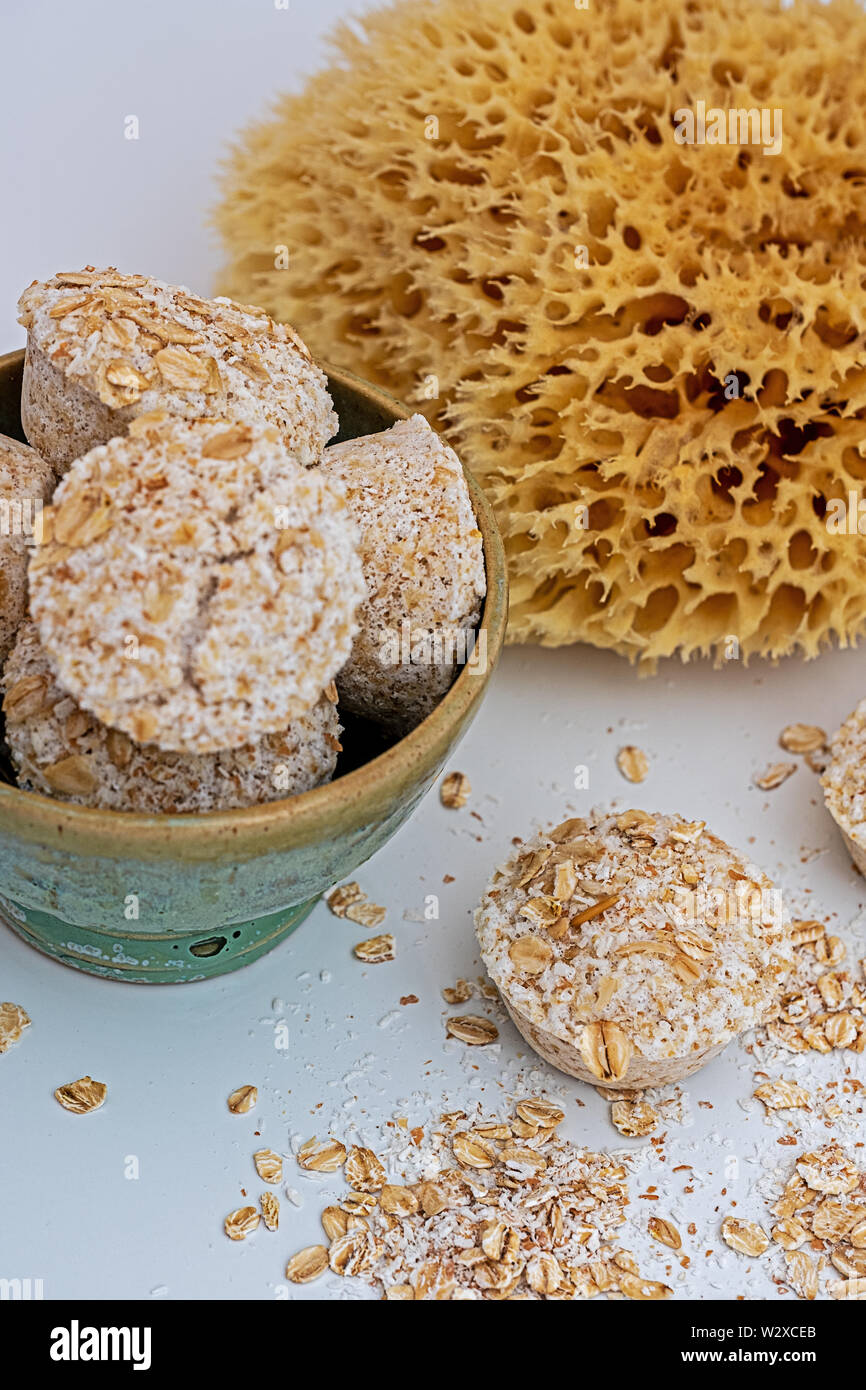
(194, 72)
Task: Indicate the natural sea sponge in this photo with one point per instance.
(653, 354)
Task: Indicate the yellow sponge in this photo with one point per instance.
(651, 352)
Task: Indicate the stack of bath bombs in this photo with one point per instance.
(207, 584)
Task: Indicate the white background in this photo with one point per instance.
(194, 72)
(77, 191)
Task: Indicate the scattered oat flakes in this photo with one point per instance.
(849, 1260)
(803, 738)
(82, 1096)
(829, 1170)
(13, 1021)
(774, 776)
(634, 1118)
(335, 1222)
(829, 950)
(820, 761)
(666, 1232)
(471, 1029)
(804, 933)
(539, 1112)
(832, 1219)
(457, 993)
(822, 1207)
(397, 1200)
(376, 949)
(270, 1205)
(322, 1155)
(782, 1095)
(508, 1221)
(242, 1100)
(632, 763)
(802, 1274)
(308, 1264)
(849, 1288)
(269, 1165)
(241, 1223)
(635, 1287)
(349, 901)
(352, 1254)
(789, 1233)
(744, 1236)
(455, 790)
(365, 914)
(358, 1203)
(363, 1170)
(822, 1009)
(342, 897)
(471, 1151)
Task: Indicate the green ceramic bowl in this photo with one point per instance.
(214, 892)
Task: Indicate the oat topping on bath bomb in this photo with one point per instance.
(26, 481)
(196, 587)
(630, 948)
(103, 347)
(844, 783)
(424, 567)
(60, 750)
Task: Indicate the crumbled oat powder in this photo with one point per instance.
(492, 1218)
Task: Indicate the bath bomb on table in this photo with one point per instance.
(630, 948)
(844, 783)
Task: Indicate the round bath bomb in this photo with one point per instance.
(26, 481)
(640, 328)
(423, 565)
(629, 949)
(844, 783)
(103, 348)
(196, 587)
(60, 750)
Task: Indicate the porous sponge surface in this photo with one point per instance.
(588, 389)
